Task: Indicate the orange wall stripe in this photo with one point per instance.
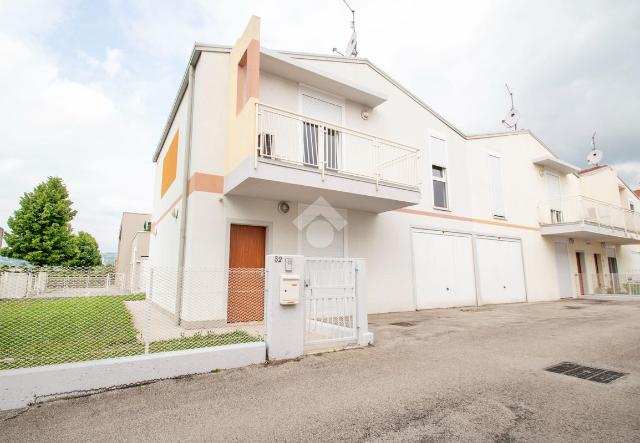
(202, 182)
(467, 219)
(170, 165)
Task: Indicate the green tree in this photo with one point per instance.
(87, 251)
(40, 230)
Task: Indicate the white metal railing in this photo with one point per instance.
(293, 138)
(623, 283)
(587, 210)
(330, 301)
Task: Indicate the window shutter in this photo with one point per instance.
(553, 191)
(439, 155)
(497, 192)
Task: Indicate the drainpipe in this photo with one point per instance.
(184, 206)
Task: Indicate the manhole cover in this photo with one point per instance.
(403, 324)
(574, 307)
(585, 372)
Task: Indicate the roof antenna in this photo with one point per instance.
(511, 120)
(352, 46)
(595, 156)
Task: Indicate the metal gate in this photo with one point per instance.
(330, 303)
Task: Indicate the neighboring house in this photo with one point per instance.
(133, 247)
(443, 218)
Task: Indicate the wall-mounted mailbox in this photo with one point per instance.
(289, 289)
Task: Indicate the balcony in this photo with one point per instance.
(298, 158)
(588, 219)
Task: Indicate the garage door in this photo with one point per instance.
(443, 269)
(500, 270)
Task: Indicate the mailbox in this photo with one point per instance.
(289, 289)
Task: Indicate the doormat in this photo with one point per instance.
(585, 372)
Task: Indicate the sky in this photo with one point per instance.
(86, 86)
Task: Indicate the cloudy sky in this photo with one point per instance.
(85, 86)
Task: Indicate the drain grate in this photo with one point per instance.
(405, 324)
(585, 372)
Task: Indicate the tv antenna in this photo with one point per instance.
(511, 120)
(595, 156)
(352, 46)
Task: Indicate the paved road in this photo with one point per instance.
(456, 374)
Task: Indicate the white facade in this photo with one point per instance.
(485, 242)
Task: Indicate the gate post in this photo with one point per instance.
(284, 334)
(365, 337)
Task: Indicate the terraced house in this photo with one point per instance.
(261, 144)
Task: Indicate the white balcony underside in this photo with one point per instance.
(589, 231)
(274, 180)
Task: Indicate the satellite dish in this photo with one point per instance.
(594, 157)
(352, 46)
(511, 120)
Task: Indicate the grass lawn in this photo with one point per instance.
(202, 341)
(47, 331)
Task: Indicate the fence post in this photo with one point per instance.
(284, 324)
(362, 320)
(147, 307)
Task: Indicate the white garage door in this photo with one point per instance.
(443, 269)
(500, 270)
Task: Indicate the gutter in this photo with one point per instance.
(184, 206)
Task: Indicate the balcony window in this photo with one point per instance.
(265, 144)
(439, 177)
(556, 216)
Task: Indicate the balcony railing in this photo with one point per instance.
(587, 210)
(624, 283)
(330, 149)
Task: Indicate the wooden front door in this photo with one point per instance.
(580, 276)
(245, 300)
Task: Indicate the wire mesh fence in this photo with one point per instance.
(62, 315)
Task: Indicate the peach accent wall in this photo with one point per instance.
(243, 93)
(202, 182)
(170, 165)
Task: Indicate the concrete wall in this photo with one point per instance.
(165, 230)
(22, 387)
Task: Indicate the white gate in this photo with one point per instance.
(330, 303)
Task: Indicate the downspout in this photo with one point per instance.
(184, 205)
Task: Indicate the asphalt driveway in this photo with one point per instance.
(472, 374)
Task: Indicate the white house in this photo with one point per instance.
(256, 137)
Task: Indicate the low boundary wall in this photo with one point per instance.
(22, 387)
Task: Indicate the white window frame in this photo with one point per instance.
(556, 212)
(502, 216)
(442, 179)
(446, 171)
(319, 94)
